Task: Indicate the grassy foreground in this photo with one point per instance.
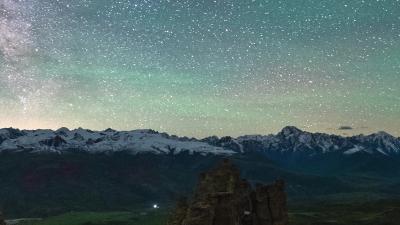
(373, 213)
(103, 218)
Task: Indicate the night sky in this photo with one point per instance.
(198, 68)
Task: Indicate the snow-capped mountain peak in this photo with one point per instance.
(290, 140)
(136, 141)
(290, 131)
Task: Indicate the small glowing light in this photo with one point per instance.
(155, 206)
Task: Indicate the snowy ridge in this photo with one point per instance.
(290, 140)
(137, 141)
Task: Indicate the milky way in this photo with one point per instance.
(198, 68)
(20, 78)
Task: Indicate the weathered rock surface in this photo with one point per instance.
(223, 198)
(2, 222)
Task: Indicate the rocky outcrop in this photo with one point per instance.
(2, 222)
(180, 212)
(223, 198)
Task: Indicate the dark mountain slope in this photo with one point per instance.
(44, 184)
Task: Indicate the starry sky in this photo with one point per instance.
(199, 68)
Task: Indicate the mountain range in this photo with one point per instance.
(290, 140)
(46, 172)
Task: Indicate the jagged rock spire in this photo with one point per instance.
(222, 198)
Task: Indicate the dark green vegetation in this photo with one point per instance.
(103, 218)
(47, 185)
(371, 213)
(367, 213)
(37, 185)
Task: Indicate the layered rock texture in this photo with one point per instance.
(223, 198)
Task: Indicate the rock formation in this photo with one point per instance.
(222, 198)
(2, 222)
